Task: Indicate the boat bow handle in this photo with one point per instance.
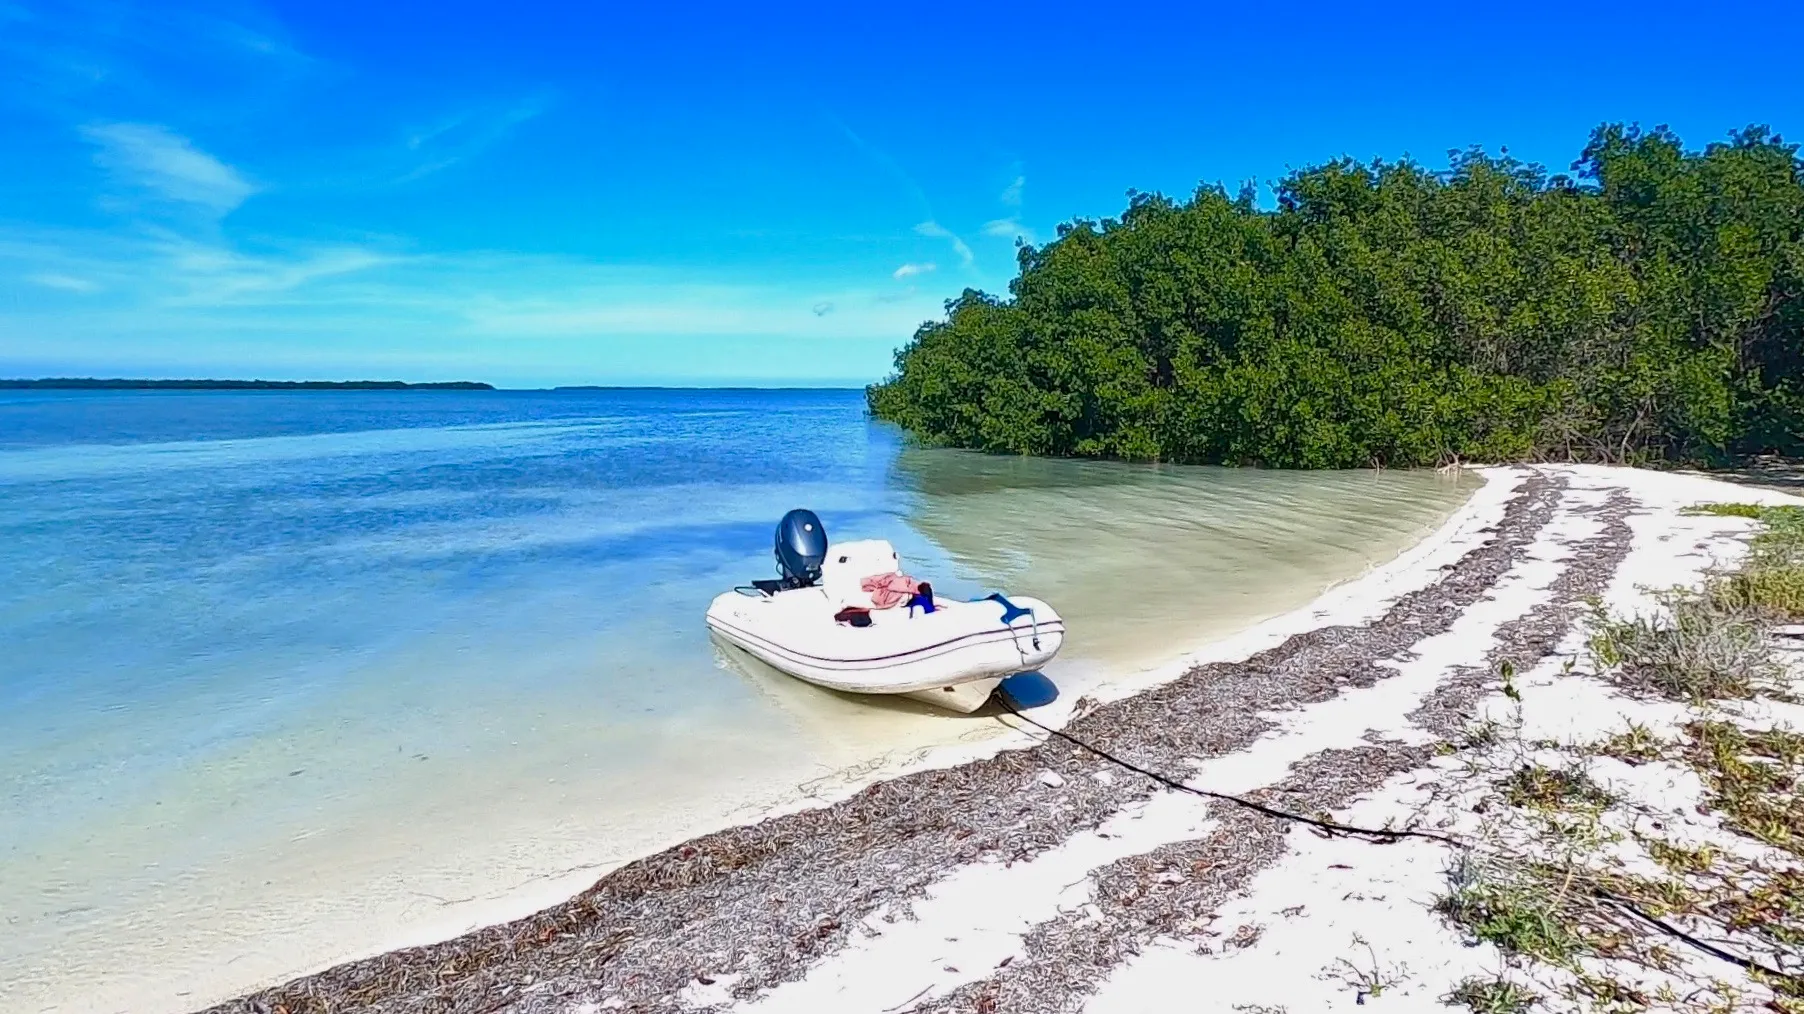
(1012, 612)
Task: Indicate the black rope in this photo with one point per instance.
(1383, 834)
(1677, 933)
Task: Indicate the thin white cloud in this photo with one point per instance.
(267, 43)
(157, 269)
(165, 299)
(938, 231)
(1009, 228)
(910, 270)
(58, 280)
(1011, 194)
(887, 164)
(648, 308)
(461, 135)
(154, 158)
(210, 275)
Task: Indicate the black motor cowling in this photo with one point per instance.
(801, 547)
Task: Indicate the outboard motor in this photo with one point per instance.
(801, 548)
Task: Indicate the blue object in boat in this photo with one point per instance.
(922, 598)
(1012, 612)
(1009, 610)
(1029, 690)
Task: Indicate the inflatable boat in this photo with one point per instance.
(845, 617)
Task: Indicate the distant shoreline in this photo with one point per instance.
(118, 384)
(129, 384)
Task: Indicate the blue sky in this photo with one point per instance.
(537, 194)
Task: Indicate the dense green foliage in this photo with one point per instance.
(1650, 306)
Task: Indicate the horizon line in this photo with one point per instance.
(123, 383)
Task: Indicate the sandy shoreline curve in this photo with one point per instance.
(1021, 874)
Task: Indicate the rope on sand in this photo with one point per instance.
(1372, 833)
(1383, 835)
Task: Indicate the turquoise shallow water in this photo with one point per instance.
(336, 669)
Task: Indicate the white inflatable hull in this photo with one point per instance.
(953, 657)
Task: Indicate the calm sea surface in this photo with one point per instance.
(288, 677)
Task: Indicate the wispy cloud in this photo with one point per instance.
(58, 280)
(1008, 228)
(269, 43)
(602, 303)
(152, 158)
(211, 276)
(910, 270)
(1011, 194)
(155, 270)
(938, 231)
(929, 227)
(461, 135)
(162, 298)
(887, 164)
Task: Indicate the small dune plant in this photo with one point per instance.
(1711, 643)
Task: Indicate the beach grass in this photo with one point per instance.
(1549, 788)
(1491, 996)
(1711, 642)
(1700, 646)
(1518, 908)
(1550, 888)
